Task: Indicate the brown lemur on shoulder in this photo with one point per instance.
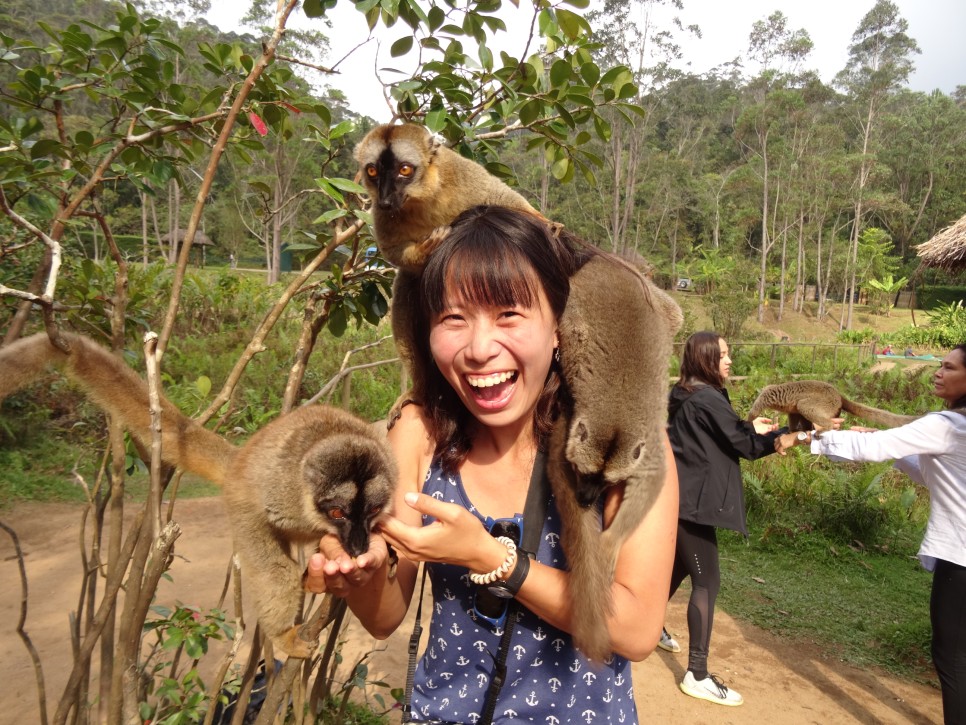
(316, 470)
(811, 403)
(615, 346)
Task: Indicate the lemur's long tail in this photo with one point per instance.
(876, 415)
(117, 389)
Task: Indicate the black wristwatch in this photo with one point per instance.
(508, 588)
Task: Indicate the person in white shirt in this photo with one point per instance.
(932, 451)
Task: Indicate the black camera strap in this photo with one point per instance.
(534, 514)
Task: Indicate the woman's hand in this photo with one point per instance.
(764, 425)
(786, 441)
(334, 571)
(455, 537)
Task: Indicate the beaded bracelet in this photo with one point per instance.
(500, 571)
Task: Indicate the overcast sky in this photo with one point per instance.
(937, 26)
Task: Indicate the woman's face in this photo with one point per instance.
(949, 382)
(495, 358)
(724, 363)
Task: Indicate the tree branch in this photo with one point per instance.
(34, 655)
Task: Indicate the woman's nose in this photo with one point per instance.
(483, 344)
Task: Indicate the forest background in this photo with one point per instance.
(125, 131)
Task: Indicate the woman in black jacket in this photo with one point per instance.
(708, 438)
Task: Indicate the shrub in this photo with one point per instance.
(932, 296)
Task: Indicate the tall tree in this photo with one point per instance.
(879, 63)
(633, 33)
(780, 51)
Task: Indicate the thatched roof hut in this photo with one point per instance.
(947, 249)
(201, 239)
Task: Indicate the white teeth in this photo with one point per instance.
(488, 381)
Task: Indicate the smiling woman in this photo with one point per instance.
(490, 301)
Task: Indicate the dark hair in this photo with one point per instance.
(961, 403)
(701, 361)
(493, 256)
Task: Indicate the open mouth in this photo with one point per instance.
(492, 388)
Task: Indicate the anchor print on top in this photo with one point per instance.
(546, 676)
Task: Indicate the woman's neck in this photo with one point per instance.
(513, 443)
(496, 472)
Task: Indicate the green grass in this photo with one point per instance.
(862, 607)
(43, 472)
(48, 470)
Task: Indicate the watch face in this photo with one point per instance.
(498, 589)
(802, 435)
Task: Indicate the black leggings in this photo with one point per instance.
(947, 611)
(696, 556)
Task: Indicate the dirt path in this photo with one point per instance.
(782, 682)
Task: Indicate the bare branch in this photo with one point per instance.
(330, 609)
(342, 374)
(154, 402)
(52, 245)
(34, 656)
(296, 61)
(105, 609)
(256, 344)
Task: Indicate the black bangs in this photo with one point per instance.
(484, 270)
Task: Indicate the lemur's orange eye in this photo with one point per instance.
(371, 171)
(406, 170)
(374, 510)
(336, 513)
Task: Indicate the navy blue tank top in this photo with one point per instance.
(548, 680)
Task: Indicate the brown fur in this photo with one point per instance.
(615, 344)
(280, 487)
(811, 403)
(617, 376)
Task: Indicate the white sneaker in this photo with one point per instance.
(667, 642)
(711, 688)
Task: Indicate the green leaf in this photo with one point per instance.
(561, 168)
(570, 23)
(436, 18)
(401, 46)
(338, 322)
(347, 185)
(174, 639)
(46, 147)
(203, 385)
(530, 112)
(559, 72)
(436, 120)
(330, 216)
(486, 57)
(590, 72)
